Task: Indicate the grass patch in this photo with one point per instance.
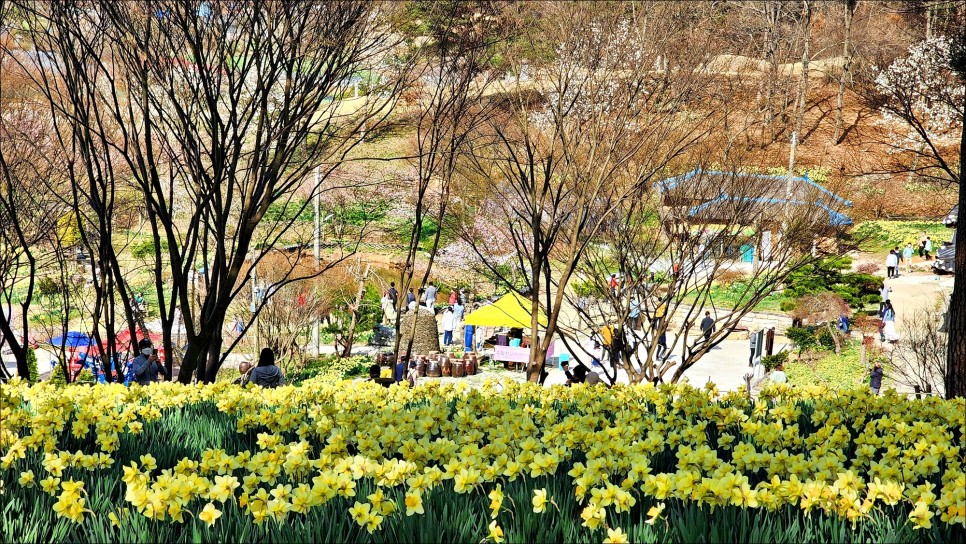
(834, 370)
(879, 236)
(730, 296)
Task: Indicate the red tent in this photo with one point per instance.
(123, 338)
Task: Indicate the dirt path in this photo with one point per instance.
(917, 291)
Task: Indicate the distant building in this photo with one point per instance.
(709, 197)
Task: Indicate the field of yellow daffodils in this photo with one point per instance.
(347, 462)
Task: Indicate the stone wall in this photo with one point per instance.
(426, 339)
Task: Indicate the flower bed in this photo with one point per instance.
(341, 462)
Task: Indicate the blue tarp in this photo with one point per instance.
(73, 339)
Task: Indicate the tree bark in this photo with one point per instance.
(347, 351)
(956, 354)
(803, 82)
(850, 6)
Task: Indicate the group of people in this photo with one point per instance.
(897, 258)
(426, 297)
(265, 374)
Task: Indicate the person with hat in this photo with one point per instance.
(146, 365)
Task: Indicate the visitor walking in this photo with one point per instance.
(883, 296)
(907, 257)
(928, 248)
(266, 374)
(449, 323)
(662, 345)
(146, 365)
(707, 326)
(393, 294)
(892, 263)
(889, 333)
(875, 378)
(388, 309)
(634, 314)
(922, 244)
(431, 291)
(453, 297)
(410, 297)
(753, 345)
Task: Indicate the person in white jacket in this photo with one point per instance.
(449, 323)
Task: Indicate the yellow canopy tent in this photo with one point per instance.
(512, 310)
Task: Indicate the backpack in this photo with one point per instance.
(412, 379)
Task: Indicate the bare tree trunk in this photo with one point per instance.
(772, 16)
(347, 350)
(803, 82)
(956, 354)
(846, 73)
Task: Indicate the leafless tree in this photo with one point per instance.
(564, 162)
(920, 359)
(218, 113)
(456, 71)
(672, 250)
(29, 213)
(846, 74)
(823, 309)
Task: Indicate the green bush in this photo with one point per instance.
(289, 211)
(588, 288)
(33, 373)
(86, 377)
(825, 339)
(57, 376)
(788, 304)
(332, 367)
(832, 274)
(771, 362)
(144, 249)
(802, 337)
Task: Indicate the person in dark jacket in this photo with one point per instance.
(400, 372)
(707, 326)
(875, 378)
(146, 366)
(266, 374)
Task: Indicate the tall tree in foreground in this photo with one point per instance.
(219, 111)
(923, 96)
(456, 69)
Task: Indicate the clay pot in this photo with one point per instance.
(458, 369)
(433, 369)
(421, 367)
(470, 365)
(447, 367)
